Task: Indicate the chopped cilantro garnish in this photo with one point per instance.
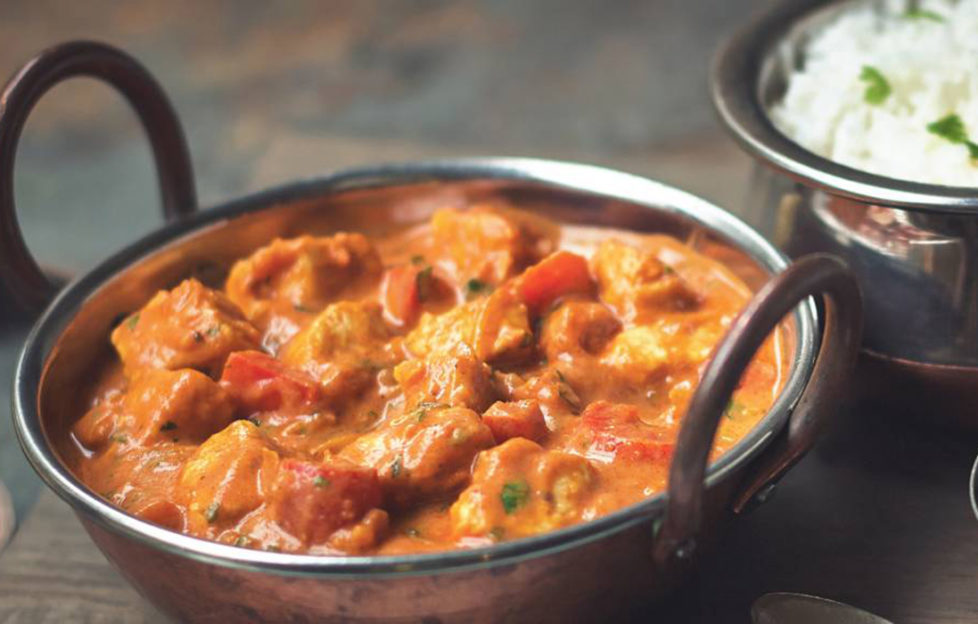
(132, 321)
(119, 437)
(214, 331)
(497, 533)
(423, 282)
(298, 307)
(241, 541)
(514, 495)
(951, 128)
(396, 467)
(320, 481)
(168, 426)
(475, 286)
(877, 87)
(421, 410)
(417, 259)
(915, 13)
(211, 513)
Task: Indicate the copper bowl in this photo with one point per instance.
(598, 568)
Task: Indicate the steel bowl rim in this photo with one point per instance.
(735, 76)
(560, 175)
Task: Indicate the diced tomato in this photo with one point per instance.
(311, 501)
(260, 383)
(557, 275)
(615, 430)
(400, 293)
(515, 419)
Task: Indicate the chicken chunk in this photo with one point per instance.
(576, 328)
(457, 380)
(490, 244)
(516, 419)
(190, 326)
(312, 501)
(159, 406)
(496, 328)
(279, 286)
(425, 452)
(520, 489)
(227, 477)
(635, 281)
(342, 348)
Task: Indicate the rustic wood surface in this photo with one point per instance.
(876, 516)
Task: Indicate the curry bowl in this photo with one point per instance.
(606, 565)
(910, 244)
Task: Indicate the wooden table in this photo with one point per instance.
(877, 516)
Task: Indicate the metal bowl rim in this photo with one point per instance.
(559, 175)
(734, 86)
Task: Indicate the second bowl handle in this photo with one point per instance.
(20, 274)
(813, 275)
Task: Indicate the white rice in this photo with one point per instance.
(932, 69)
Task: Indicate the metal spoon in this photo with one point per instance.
(788, 608)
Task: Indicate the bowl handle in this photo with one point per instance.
(19, 272)
(816, 274)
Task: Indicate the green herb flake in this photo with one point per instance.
(421, 410)
(198, 337)
(734, 409)
(497, 533)
(475, 286)
(514, 495)
(877, 87)
(423, 283)
(396, 467)
(298, 307)
(132, 321)
(214, 331)
(168, 426)
(951, 128)
(119, 437)
(241, 541)
(320, 481)
(923, 14)
(211, 513)
(417, 259)
(254, 420)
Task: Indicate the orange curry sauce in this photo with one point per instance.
(484, 377)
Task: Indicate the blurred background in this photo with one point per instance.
(271, 92)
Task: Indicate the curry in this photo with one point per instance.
(486, 376)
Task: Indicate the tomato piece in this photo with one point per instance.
(260, 383)
(311, 501)
(557, 275)
(400, 293)
(614, 431)
(515, 419)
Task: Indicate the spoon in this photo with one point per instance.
(788, 608)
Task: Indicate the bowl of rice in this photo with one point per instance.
(863, 118)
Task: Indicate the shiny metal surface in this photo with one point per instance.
(914, 246)
(190, 577)
(789, 608)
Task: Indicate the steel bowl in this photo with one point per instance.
(913, 246)
(598, 568)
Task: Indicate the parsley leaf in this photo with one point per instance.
(951, 128)
(320, 481)
(132, 321)
(475, 286)
(396, 467)
(915, 13)
(211, 514)
(514, 495)
(423, 282)
(877, 87)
